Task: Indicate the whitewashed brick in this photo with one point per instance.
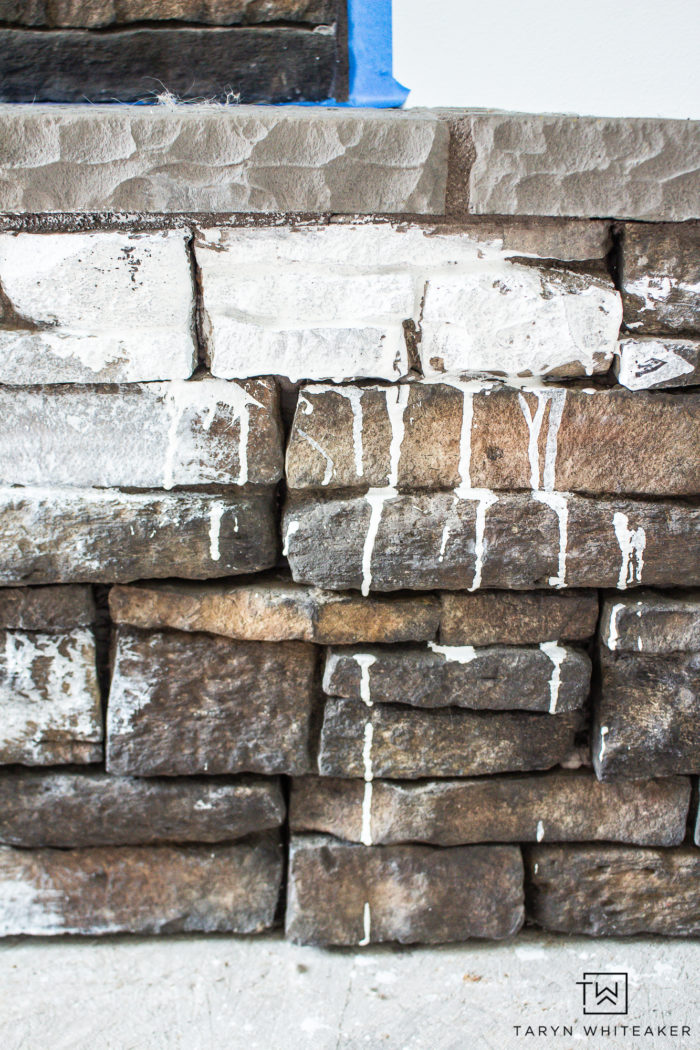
(331, 302)
(95, 307)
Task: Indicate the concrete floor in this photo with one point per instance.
(220, 993)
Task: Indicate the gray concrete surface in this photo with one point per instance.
(199, 993)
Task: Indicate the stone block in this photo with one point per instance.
(49, 697)
(552, 678)
(614, 891)
(398, 742)
(334, 302)
(57, 608)
(274, 609)
(186, 704)
(556, 164)
(96, 535)
(652, 623)
(644, 364)
(441, 540)
(147, 436)
(507, 618)
(163, 159)
(566, 806)
(647, 718)
(468, 434)
(661, 279)
(271, 64)
(62, 14)
(342, 894)
(147, 889)
(95, 307)
(67, 810)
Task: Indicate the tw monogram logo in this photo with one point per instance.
(604, 993)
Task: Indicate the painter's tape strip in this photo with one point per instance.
(370, 49)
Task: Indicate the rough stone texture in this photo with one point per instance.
(553, 164)
(504, 618)
(643, 364)
(598, 442)
(439, 540)
(98, 13)
(561, 806)
(93, 307)
(183, 704)
(151, 889)
(212, 159)
(448, 742)
(49, 698)
(46, 608)
(610, 891)
(499, 678)
(151, 435)
(652, 623)
(332, 302)
(92, 809)
(647, 718)
(266, 64)
(93, 535)
(661, 279)
(355, 895)
(271, 610)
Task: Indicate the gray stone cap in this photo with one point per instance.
(261, 160)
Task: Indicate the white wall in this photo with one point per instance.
(632, 58)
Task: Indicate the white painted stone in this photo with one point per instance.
(49, 698)
(642, 364)
(96, 307)
(331, 302)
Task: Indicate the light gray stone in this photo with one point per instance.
(652, 623)
(94, 307)
(646, 364)
(213, 159)
(555, 164)
(145, 436)
(51, 535)
(50, 710)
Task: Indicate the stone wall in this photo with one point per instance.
(350, 553)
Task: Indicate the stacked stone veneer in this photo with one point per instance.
(347, 571)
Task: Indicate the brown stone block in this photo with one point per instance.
(183, 704)
(355, 895)
(148, 889)
(661, 278)
(652, 622)
(57, 608)
(94, 809)
(505, 618)
(612, 891)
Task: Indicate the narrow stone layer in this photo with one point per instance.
(612, 891)
(92, 535)
(98, 13)
(489, 437)
(661, 279)
(152, 889)
(92, 809)
(91, 307)
(271, 610)
(647, 718)
(341, 894)
(504, 618)
(412, 743)
(183, 704)
(143, 436)
(481, 539)
(569, 806)
(49, 698)
(652, 623)
(642, 364)
(552, 678)
(57, 608)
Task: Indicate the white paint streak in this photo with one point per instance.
(632, 543)
(366, 835)
(557, 654)
(603, 733)
(613, 636)
(461, 654)
(486, 498)
(292, 529)
(556, 501)
(367, 925)
(328, 473)
(539, 834)
(215, 515)
(365, 661)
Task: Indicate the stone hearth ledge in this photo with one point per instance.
(245, 159)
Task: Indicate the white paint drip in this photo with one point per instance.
(215, 515)
(613, 636)
(378, 497)
(603, 733)
(632, 543)
(292, 528)
(366, 836)
(557, 654)
(539, 834)
(328, 473)
(556, 501)
(367, 925)
(461, 654)
(364, 661)
(486, 498)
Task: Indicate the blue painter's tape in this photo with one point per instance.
(370, 49)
